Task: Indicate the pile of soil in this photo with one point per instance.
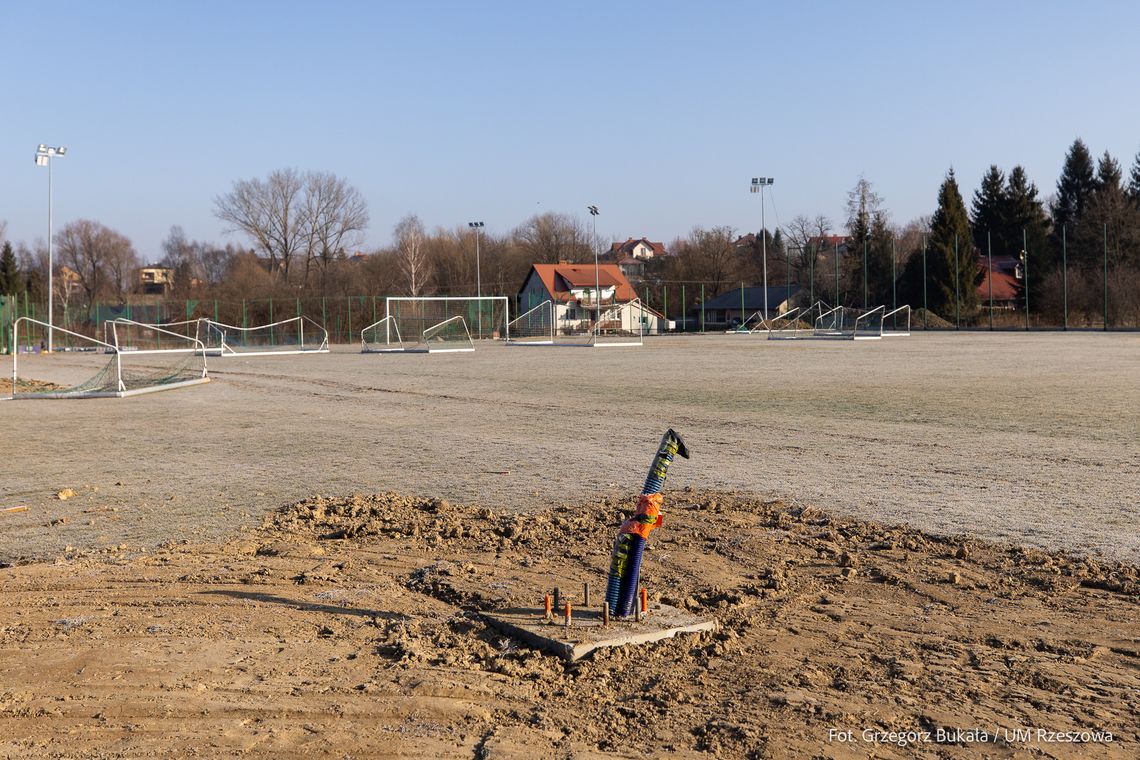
(349, 626)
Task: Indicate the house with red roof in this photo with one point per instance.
(579, 291)
(1001, 277)
(641, 248)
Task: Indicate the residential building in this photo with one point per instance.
(640, 248)
(734, 307)
(154, 281)
(579, 292)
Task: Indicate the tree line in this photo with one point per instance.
(300, 235)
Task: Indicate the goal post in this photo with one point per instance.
(534, 327)
(869, 324)
(381, 337)
(486, 317)
(896, 323)
(142, 359)
(622, 324)
(296, 335)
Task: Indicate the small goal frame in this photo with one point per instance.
(504, 328)
(227, 348)
(115, 362)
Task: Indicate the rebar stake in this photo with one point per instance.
(605, 613)
(548, 601)
(586, 594)
(568, 615)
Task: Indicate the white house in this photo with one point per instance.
(575, 291)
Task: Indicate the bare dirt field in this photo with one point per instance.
(153, 612)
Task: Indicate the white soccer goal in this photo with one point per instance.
(381, 337)
(621, 324)
(297, 335)
(534, 327)
(831, 324)
(486, 317)
(138, 359)
(896, 323)
(869, 324)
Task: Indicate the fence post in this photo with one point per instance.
(271, 319)
(1064, 274)
(742, 305)
(957, 288)
(990, 279)
(1106, 275)
(665, 304)
(702, 308)
(864, 274)
(1026, 274)
(348, 326)
(895, 284)
(836, 274)
(684, 316)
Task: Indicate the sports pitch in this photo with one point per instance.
(1026, 438)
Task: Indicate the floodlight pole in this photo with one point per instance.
(44, 155)
(758, 185)
(597, 270)
(477, 226)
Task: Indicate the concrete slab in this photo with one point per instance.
(587, 634)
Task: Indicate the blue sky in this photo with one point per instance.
(658, 112)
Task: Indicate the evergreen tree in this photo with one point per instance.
(1111, 220)
(880, 276)
(9, 271)
(952, 270)
(864, 206)
(1074, 188)
(1134, 181)
(1029, 226)
(989, 213)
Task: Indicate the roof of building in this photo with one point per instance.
(753, 298)
(631, 243)
(1006, 286)
(560, 278)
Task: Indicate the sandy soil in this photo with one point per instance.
(152, 611)
(348, 627)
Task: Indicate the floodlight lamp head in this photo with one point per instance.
(41, 160)
(61, 150)
(41, 149)
(593, 210)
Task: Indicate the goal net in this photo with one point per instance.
(896, 323)
(796, 323)
(486, 317)
(381, 337)
(843, 323)
(137, 359)
(621, 324)
(533, 327)
(297, 335)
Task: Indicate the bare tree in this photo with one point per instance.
(550, 238)
(336, 216)
(102, 259)
(706, 256)
(411, 253)
(864, 206)
(271, 213)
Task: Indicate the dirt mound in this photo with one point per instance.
(925, 319)
(348, 625)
